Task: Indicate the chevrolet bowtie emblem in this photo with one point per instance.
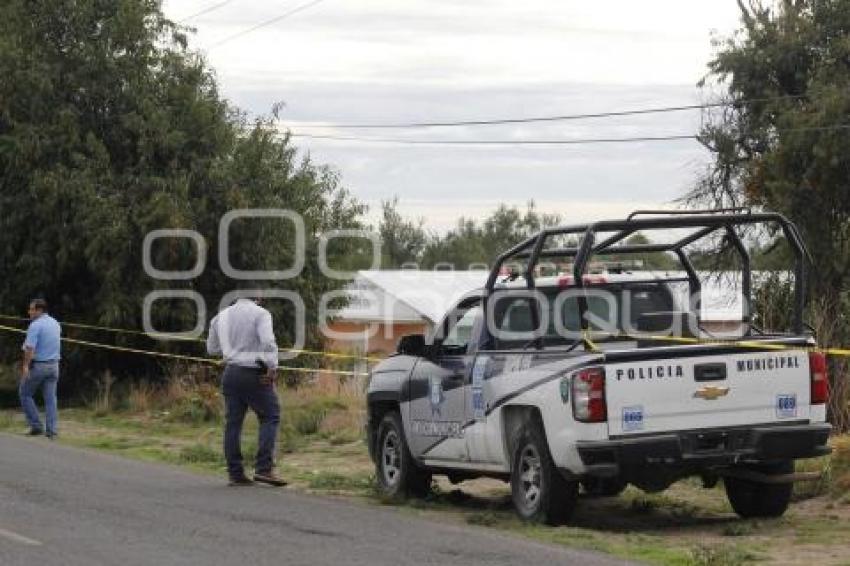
(711, 392)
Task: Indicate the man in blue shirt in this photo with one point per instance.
(40, 368)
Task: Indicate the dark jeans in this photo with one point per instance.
(242, 389)
(43, 376)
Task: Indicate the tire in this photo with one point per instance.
(751, 499)
(539, 492)
(397, 473)
(603, 487)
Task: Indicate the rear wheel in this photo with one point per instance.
(397, 473)
(540, 493)
(752, 499)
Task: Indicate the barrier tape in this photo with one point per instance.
(196, 359)
(739, 343)
(165, 335)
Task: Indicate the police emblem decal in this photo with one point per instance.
(435, 394)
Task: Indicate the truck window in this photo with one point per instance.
(616, 309)
(459, 336)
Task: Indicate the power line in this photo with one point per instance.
(205, 11)
(556, 118)
(497, 142)
(577, 141)
(292, 12)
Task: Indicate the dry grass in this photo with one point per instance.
(102, 403)
(840, 467)
(140, 397)
(324, 408)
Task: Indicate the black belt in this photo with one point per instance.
(45, 361)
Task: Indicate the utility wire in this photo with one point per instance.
(292, 12)
(577, 141)
(205, 11)
(496, 142)
(557, 118)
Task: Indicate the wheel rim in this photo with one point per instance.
(530, 480)
(391, 458)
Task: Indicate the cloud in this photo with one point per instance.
(424, 60)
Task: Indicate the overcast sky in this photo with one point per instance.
(381, 61)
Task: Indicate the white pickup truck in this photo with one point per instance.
(598, 381)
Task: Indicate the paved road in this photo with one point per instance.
(69, 507)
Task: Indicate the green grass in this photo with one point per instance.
(331, 481)
(722, 555)
(201, 454)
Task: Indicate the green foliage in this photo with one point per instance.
(481, 242)
(402, 241)
(773, 301)
(470, 242)
(306, 419)
(201, 404)
(110, 127)
(787, 72)
(650, 260)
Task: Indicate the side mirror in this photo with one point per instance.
(412, 345)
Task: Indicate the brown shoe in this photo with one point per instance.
(269, 478)
(240, 481)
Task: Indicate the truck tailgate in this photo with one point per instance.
(668, 394)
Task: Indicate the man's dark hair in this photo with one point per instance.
(39, 304)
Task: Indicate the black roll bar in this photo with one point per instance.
(706, 222)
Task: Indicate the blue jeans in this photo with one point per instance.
(242, 390)
(45, 377)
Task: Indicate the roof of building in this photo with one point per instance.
(408, 295)
(425, 296)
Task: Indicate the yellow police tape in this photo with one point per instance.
(181, 356)
(165, 335)
(717, 342)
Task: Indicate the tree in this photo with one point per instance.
(110, 127)
(471, 242)
(649, 260)
(782, 142)
(402, 241)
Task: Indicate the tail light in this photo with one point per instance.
(820, 380)
(589, 395)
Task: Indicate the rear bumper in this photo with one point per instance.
(701, 449)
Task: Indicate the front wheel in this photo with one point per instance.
(397, 473)
(752, 499)
(540, 493)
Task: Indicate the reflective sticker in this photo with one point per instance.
(479, 373)
(565, 390)
(436, 395)
(786, 406)
(633, 418)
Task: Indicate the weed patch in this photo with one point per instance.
(720, 555)
(331, 481)
(200, 454)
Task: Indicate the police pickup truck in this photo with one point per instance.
(565, 382)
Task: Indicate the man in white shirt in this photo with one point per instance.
(242, 333)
